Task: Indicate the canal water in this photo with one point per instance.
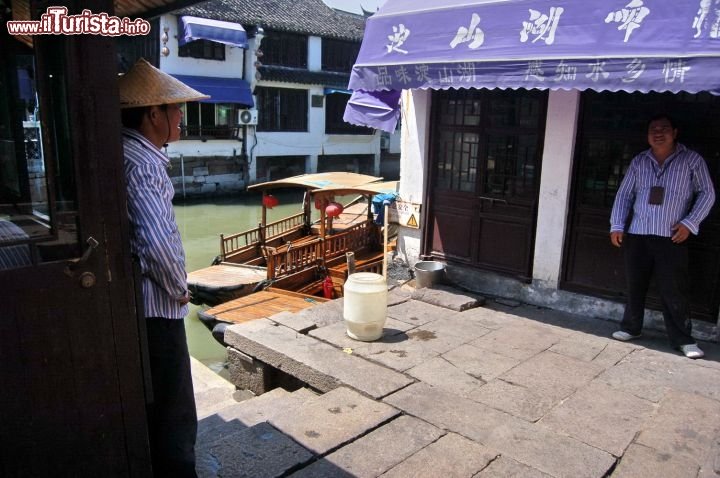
(201, 224)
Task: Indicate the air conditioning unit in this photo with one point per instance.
(247, 117)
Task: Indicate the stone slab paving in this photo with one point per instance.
(466, 327)
(324, 314)
(643, 462)
(447, 297)
(480, 363)
(440, 373)
(333, 419)
(237, 417)
(516, 400)
(396, 350)
(552, 375)
(318, 364)
(646, 383)
(493, 319)
(294, 321)
(518, 341)
(541, 393)
(417, 313)
(602, 417)
(450, 412)
(685, 425)
(452, 455)
(508, 468)
(257, 452)
(376, 452)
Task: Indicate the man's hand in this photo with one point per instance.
(184, 299)
(680, 233)
(616, 238)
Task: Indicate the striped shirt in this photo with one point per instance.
(689, 194)
(155, 238)
(17, 255)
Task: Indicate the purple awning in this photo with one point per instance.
(614, 45)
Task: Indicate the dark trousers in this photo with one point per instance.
(648, 255)
(172, 415)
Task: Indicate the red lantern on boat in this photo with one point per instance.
(328, 289)
(334, 209)
(270, 201)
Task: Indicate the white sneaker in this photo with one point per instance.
(692, 351)
(624, 336)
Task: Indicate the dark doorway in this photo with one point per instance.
(72, 401)
(484, 178)
(611, 132)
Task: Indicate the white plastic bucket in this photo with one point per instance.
(365, 306)
(429, 273)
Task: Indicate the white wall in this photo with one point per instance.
(415, 134)
(560, 129)
(312, 143)
(314, 53)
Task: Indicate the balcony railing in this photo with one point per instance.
(209, 132)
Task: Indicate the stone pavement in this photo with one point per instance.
(488, 391)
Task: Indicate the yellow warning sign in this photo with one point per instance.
(405, 213)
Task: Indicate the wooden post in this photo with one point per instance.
(385, 239)
(322, 220)
(264, 211)
(350, 258)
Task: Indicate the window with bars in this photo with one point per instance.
(282, 109)
(284, 49)
(334, 110)
(488, 141)
(209, 121)
(203, 49)
(339, 55)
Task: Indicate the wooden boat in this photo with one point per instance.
(302, 273)
(252, 259)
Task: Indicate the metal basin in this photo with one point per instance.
(429, 273)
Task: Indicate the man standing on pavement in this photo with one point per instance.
(151, 115)
(669, 191)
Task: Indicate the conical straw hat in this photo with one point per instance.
(145, 85)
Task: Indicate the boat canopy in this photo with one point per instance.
(385, 187)
(318, 180)
(601, 45)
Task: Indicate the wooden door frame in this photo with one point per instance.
(429, 179)
(90, 68)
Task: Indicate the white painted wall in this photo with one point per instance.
(560, 130)
(312, 143)
(314, 53)
(415, 134)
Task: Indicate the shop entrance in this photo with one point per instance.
(611, 131)
(484, 178)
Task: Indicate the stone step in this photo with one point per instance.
(240, 416)
(212, 392)
(260, 451)
(329, 421)
(312, 361)
(301, 427)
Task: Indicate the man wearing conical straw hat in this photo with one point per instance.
(150, 102)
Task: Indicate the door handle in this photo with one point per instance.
(73, 264)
